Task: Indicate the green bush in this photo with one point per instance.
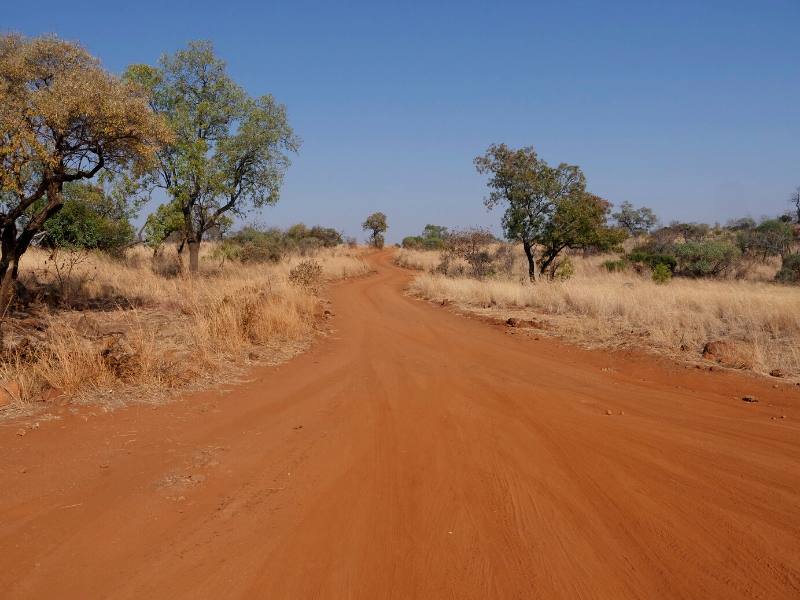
(709, 258)
(615, 266)
(89, 220)
(412, 242)
(256, 245)
(790, 269)
(661, 273)
(772, 237)
(650, 258)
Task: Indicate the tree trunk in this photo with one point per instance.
(533, 274)
(194, 256)
(6, 288)
(8, 265)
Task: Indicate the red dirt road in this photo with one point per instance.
(416, 454)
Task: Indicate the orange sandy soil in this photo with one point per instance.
(416, 454)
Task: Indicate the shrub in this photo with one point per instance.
(261, 252)
(771, 238)
(615, 266)
(412, 242)
(328, 236)
(710, 258)
(89, 220)
(564, 270)
(661, 273)
(252, 246)
(307, 274)
(790, 269)
(471, 246)
(651, 258)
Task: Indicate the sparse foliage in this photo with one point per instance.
(65, 263)
(636, 221)
(471, 246)
(307, 274)
(794, 200)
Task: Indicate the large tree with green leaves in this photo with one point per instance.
(230, 151)
(63, 118)
(547, 209)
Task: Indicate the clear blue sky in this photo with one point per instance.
(692, 108)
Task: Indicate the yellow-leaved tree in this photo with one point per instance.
(63, 118)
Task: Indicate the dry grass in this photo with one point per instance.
(122, 329)
(612, 309)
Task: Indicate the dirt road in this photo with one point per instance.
(416, 454)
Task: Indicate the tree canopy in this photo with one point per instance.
(376, 225)
(230, 151)
(636, 221)
(432, 238)
(63, 118)
(547, 208)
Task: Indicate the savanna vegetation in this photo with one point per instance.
(92, 303)
(376, 226)
(574, 265)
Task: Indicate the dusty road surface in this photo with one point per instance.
(416, 454)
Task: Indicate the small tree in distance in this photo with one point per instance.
(376, 225)
(636, 221)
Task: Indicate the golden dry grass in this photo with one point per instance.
(627, 309)
(125, 330)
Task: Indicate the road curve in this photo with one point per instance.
(416, 453)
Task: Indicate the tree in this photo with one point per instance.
(434, 232)
(62, 119)
(432, 238)
(376, 225)
(579, 221)
(637, 221)
(472, 246)
(794, 200)
(230, 151)
(328, 236)
(772, 237)
(531, 191)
